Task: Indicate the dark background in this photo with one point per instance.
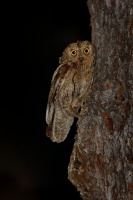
(34, 35)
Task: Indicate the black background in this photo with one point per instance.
(34, 36)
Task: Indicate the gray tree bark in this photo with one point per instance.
(101, 163)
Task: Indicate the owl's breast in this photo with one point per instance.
(74, 86)
(82, 80)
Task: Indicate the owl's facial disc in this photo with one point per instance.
(83, 57)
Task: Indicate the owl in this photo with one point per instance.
(70, 87)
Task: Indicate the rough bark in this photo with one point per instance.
(101, 164)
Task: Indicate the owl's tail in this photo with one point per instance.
(60, 126)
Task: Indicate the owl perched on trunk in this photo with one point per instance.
(70, 87)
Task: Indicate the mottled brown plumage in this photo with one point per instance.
(70, 87)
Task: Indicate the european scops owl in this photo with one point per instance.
(70, 87)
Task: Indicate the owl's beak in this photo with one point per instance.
(81, 59)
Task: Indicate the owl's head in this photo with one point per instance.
(81, 52)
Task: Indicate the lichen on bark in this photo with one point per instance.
(101, 163)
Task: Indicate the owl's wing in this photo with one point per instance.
(55, 85)
(60, 125)
(59, 122)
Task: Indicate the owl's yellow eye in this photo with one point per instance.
(86, 51)
(73, 52)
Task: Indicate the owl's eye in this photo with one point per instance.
(73, 52)
(86, 51)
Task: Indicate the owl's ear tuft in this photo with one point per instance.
(78, 43)
(62, 59)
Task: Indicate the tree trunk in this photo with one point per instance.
(101, 164)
